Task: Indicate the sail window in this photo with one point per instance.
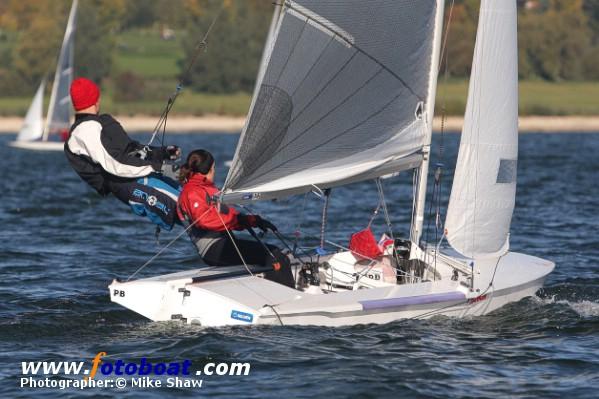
(507, 171)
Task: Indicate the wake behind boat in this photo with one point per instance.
(346, 93)
(35, 135)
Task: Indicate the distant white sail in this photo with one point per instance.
(33, 125)
(60, 109)
(484, 187)
(340, 97)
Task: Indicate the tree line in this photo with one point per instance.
(558, 39)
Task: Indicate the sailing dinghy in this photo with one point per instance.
(345, 93)
(35, 135)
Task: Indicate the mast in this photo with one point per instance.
(420, 197)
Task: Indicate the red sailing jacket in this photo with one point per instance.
(195, 202)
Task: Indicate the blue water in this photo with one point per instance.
(61, 245)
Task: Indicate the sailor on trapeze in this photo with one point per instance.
(102, 154)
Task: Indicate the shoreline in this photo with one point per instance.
(234, 124)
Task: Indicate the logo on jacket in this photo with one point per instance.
(151, 200)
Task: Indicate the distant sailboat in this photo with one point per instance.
(35, 135)
(346, 93)
(33, 125)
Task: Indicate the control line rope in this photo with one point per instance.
(275, 312)
(202, 45)
(234, 243)
(166, 246)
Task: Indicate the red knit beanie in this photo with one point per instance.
(84, 93)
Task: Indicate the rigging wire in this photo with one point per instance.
(415, 177)
(163, 249)
(202, 45)
(383, 202)
(325, 213)
(443, 113)
(298, 227)
(234, 243)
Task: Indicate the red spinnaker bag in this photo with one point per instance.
(363, 245)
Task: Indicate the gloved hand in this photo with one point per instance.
(170, 170)
(172, 152)
(264, 224)
(244, 221)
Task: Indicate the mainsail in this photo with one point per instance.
(484, 187)
(60, 109)
(341, 97)
(34, 120)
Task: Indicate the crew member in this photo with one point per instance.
(212, 226)
(102, 154)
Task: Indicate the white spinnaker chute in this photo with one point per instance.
(340, 98)
(33, 125)
(484, 187)
(60, 109)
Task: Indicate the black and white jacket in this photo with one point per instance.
(100, 151)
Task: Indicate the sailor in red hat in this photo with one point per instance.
(104, 156)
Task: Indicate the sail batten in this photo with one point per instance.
(483, 194)
(340, 79)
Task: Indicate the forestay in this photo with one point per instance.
(34, 120)
(60, 109)
(340, 98)
(484, 188)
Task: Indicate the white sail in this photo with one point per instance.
(484, 188)
(341, 97)
(33, 125)
(60, 110)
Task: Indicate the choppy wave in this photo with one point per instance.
(584, 308)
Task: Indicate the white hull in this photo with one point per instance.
(38, 145)
(253, 300)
